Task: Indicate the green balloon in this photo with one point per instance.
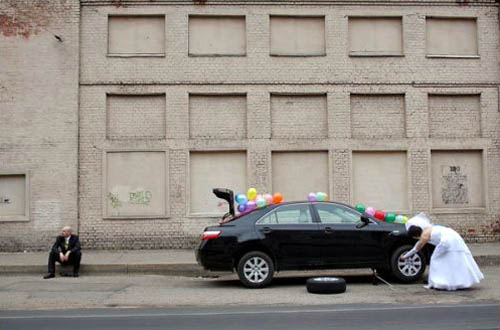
(360, 207)
(390, 217)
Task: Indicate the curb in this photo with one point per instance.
(184, 269)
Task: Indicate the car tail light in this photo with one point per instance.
(210, 234)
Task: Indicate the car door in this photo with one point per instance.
(344, 240)
(290, 232)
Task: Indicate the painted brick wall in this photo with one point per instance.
(404, 125)
(42, 134)
(39, 49)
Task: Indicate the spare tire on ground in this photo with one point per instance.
(326, 284)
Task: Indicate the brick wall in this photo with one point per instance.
(39, 49)
(40, 98)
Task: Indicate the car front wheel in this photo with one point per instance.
(409, 270)
(255, 269)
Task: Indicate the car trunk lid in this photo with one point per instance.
(228, 196)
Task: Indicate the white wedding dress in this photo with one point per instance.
(451, 266)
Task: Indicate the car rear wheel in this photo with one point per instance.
(410, 269)
(255, 269)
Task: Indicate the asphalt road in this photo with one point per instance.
(357, 316)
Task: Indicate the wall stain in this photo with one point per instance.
(29, 18)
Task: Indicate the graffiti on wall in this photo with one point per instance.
(124, 195)
(454, 187)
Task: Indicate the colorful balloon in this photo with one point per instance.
(277, 198)
(251, 193)
(311, 197)
(360, 207)
(370, 211)
(321, 196)
(399, 218)
(268, 198)
(405, 219)
(260, 201)
(242, 208)
(241, 199)
(379, 215)
(390, 217)
(251, 205)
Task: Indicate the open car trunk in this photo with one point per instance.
(228, 196)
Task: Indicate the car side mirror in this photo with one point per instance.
(364, 221)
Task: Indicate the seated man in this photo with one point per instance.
(66, 251)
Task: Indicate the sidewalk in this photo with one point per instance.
(165, 262)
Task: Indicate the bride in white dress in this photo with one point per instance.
(451, 266)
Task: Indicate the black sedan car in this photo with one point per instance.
(304, 236)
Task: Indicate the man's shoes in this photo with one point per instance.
(49, 275)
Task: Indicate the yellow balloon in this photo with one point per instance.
(251, 193)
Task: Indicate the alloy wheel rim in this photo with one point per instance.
(410, 266)
(256, 270)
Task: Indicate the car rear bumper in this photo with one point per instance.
(212, 259)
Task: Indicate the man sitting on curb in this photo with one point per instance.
(66, 251)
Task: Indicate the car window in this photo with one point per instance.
(337, 214)
(288, 215)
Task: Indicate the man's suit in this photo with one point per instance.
(75, 254)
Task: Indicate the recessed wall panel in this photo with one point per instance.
(217, 35)
(375, 36)
(380, 179)
(210, 170)
(457, 179)
(380, 116)
(454, 115)
(299, 116)
(297, 36)
(295, 174)
(135, 184)
(451, 36)
(218, 116)
(135, 116)
(12, 195)
(136, 35)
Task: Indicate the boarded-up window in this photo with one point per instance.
(295, 174)
(135, 184)
(451, 36)
(299, 116)
(136, 35)
(457, 179)
(12, 196)
(210, 170)
(217, 35)
(135, 116)
(217, 116)
(297, 36)
(375, 36)
(380, 180)
(454, 115)
(377, 116)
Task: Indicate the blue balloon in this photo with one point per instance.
(242, 207)
(241, 199)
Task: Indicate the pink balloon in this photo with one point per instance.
(370, 210)
(268, 198)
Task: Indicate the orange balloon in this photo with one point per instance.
(277, 198)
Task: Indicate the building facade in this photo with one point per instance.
(119, 117)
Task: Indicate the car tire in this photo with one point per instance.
(325, 284)
(409, 270)
(255, 270)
